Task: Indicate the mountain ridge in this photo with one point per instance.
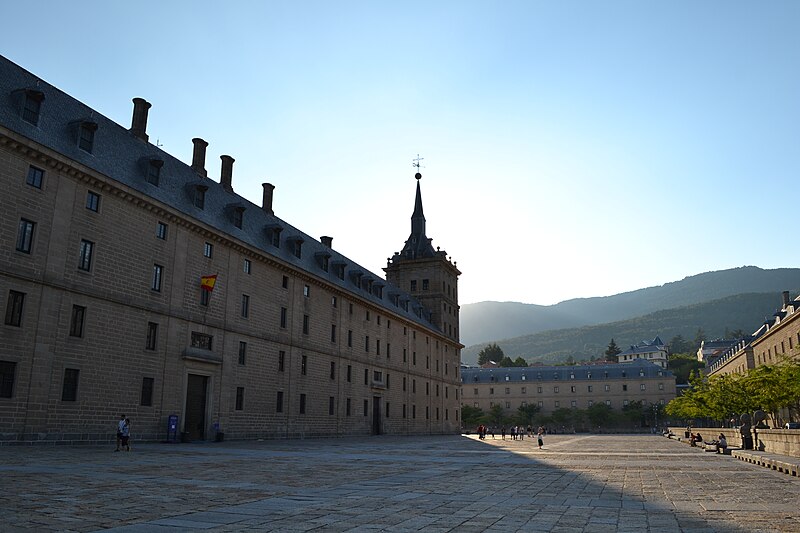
(489, 321)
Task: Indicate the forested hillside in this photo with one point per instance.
(744, 312)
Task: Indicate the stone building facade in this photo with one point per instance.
(105, 241)
(557, 387)
(778, 338)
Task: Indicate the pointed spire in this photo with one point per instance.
(418, 244)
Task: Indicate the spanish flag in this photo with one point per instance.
(207, 282)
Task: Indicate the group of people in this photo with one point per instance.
(515, 432)
(123, 434)
(721, 443)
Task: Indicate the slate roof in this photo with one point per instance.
(656, 345)
(122, 156)
(563, 373)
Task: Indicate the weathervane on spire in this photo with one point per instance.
(418, 166)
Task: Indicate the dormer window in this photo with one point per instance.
(154, 171)
(356, 277)
(238, 216)
(199, 196)
(274, 234)
(338, 269)
(297, 247)
(86, 131)
(323, 260)
(32, 106)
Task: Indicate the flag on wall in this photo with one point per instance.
(207, 282)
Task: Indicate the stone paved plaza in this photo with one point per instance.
(456, 483)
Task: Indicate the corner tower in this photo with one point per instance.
(427, 274)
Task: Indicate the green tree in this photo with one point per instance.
(679, 345)
(526, 414)
(471, 416)
(519, 361)
(496, 415)
(492, 352)
(599, 415)
(505, 362)
(682, 365)
(612, 351)
(699, 337)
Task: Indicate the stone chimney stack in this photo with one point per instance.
(226, 174)
(199, 156)
(139, 120)
(786, 299)
(327, 241)
(266, 204)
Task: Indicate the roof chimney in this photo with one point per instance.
(199, 156)
(327, 241)
(786, 299)
(266, 204)
(139, 120)
(226, 174)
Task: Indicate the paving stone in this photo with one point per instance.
(393, 484)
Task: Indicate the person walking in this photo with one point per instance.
(120, 427)
(540, 437)
(126, 435)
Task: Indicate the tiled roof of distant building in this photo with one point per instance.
(637, 368)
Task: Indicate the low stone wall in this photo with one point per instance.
(782, 441)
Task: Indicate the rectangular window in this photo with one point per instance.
(279, 402)
(366, 344)
(387, 410)
(8, 370)
(302, 404)
(377, 346)
(642, 387)
(32, 107)
(425, 284)
(246, 266)
(607, 388)
(285, 282)
(331, 405)
(245, 306)
(161, 231)
(333, 332)
(555, 389)
(404, 410)
(333, 370)
(304, 365)
(204, 297)
(25, 236)
(242, 352)
(85, 257)
(298, 249)
(152, 336)
(146, 399)
(238, 218)
(86, 136)
(69, 389)
(413, 285)
(199, 199)
(158, 274)
(283, 317)
(203, 341)
(239, 398)
(660, 386)
(305, 324)
(624, 387)
(366, 407)
(388, 351)
(35, 177)
(349, 338)
(333, 301)
(347, 407)
(76, 321)
(349, 373)
(154, 171)
(404, 383)
(366, 376)
(208, 249)
(92, 201)
(281, 361)
(306, 291)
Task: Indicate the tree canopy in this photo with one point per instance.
(492, 352)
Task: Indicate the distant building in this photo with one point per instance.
(711, 349)
(778, 338)
(654, 351)
(556, 387)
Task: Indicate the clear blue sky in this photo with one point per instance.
(571, 148)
